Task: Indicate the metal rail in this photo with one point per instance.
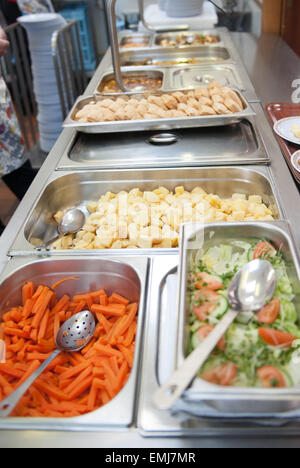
(68, 64)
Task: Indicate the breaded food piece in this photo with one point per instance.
(149, 116)
(207, 110)
(178, 113)
(205, 101)
(232, 105)
(220, 108)
(180, 97)
(214, 84)
(157, 111)
(142, 108)
(188, 110)
(194, 103)
(107, 103)
(191, 94)
(169, 101)
(214, 91)
(157, 101)
(201, 91)
(230, 93)
(217, 98)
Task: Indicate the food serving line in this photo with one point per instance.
(241, 158)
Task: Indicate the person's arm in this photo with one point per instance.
(3, 42)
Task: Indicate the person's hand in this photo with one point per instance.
(3, 42)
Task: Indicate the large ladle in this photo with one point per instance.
(249, 290)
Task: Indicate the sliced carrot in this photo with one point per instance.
(82, 387)
(27, 291)
(119, 299)
(58, 283)
(43, 325)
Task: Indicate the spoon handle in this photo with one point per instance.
(7, 405)
(169, 393)
(49, 242)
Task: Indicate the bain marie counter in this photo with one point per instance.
(76, 170)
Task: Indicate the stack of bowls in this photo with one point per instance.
(40, 28)
(183, 8)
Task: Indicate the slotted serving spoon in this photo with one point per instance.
(249, 290)
(72, 336)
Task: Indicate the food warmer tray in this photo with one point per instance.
(191, 77)
(66, 189)
(151, 124)
(242, 143)
(128, 275)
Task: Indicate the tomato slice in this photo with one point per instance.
(276, 337)
(270, 376)
(203, 333)
(264, 249)
(207, 281)
(221, 375)
(208, 302)
(269, 313)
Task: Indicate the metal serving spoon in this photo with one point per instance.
(72, 221)
(73, 335)
(249, 290)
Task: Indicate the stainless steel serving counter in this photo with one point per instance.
(272, 67)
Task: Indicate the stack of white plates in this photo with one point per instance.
(40, 28)
(183, 8)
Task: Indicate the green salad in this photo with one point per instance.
(259, 349)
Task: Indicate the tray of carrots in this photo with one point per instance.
(74, 384)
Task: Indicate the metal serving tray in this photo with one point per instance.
(192, 77)
(137, 38)
(232, 399)
(167, 57)
(230, 75)
(66, 190)
(128, 276)
(241, 143)
(174, 36)
(137, 73)
(151, 124)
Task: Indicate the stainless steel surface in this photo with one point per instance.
(263, 60)
(114, 42)
(243, 143)
(179, 57)
(135, 41)
(72, 336)
(127, 276)
(228, 75)
(65, 190)
(273, 82)
(235, 400)
(250, 289)
(71, 222)
(179, 27)
(151, 124)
